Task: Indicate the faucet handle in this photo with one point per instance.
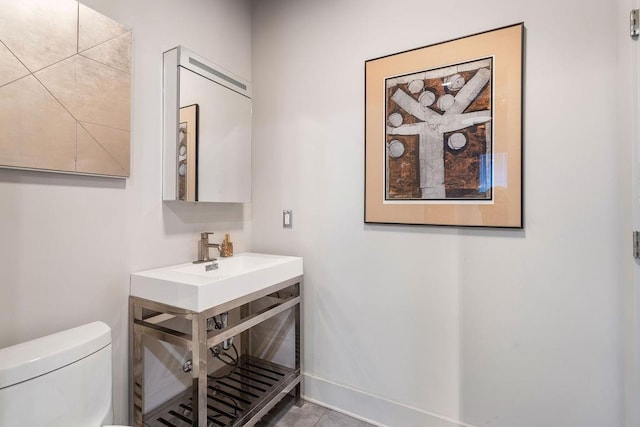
(205, 235)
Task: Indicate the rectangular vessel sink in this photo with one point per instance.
(192, 287)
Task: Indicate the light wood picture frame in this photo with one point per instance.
(443, 133)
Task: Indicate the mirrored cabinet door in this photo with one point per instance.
(207, 131)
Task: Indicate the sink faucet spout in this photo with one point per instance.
(203, 248)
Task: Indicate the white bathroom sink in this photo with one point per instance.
(192, 287)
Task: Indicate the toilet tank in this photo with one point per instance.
(59, 380)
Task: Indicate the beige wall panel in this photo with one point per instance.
(39, 115)
(35, 130)
(39, 32)
(114, 141)
(10, 68)
(95, 28)
(92, 158)
(92, 92)
(115, 53)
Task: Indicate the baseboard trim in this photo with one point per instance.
(370, 408)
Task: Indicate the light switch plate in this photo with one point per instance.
(287, 219)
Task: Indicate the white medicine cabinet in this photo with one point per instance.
(206, 131)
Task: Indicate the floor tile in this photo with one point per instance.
(336, 419)
(287, 414)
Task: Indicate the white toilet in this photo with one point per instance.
(59, 380)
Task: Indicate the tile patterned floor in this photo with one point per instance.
(287, 414)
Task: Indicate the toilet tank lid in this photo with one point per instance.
(30, 359)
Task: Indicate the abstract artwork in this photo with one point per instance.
(187, 153)
(65, 89)
(439, 133)
(443, 136)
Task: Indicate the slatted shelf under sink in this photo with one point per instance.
(234, 395)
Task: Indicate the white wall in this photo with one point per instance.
(69, 243)
(428, 326)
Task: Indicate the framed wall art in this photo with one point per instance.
(65, 89)
(443, 133)
(187, 154)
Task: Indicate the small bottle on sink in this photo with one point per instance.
(226, 247)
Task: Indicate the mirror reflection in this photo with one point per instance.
(207, 131)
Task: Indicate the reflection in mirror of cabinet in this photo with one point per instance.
(187, 153)
(206, 131)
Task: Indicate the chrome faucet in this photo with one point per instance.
(203, 248)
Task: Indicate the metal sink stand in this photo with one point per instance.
(246, 393)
